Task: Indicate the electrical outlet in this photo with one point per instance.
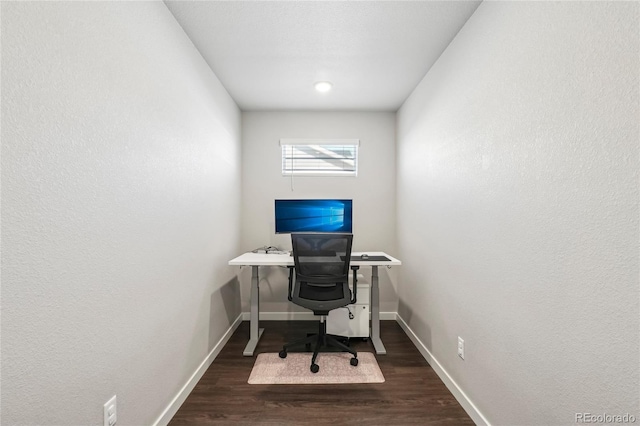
(460, 347)
(110, 414)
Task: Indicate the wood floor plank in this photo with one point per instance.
(412, 393)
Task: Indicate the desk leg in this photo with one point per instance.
(375, 313)
(255, 332)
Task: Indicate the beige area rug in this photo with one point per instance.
(270, 369)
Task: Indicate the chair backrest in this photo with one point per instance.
(322, 270)
(322, 257)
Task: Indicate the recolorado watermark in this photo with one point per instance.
(605, 418)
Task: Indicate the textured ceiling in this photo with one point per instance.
(268, 54)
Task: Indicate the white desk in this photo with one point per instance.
(255, 260)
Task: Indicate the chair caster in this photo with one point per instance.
(315, 368)
(354, 361)
(282, 354)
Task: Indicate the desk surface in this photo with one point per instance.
(264, 259)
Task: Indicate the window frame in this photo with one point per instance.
(289, 142)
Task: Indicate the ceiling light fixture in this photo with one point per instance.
(323, 86)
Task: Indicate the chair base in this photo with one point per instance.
(322, 340)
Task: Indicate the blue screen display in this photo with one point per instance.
(313, 216)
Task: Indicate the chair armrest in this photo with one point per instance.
(354, 299)
(290, 293)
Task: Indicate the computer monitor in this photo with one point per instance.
(313, 216)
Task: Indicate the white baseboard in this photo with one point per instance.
(182, 395)
(301, 316)
(453, 387)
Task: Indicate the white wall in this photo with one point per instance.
(372, 191)
(518, 210)
(120, 209)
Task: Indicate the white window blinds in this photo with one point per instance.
(319, 157)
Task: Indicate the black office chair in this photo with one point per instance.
(321, 285)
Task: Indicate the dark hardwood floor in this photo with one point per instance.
(412, 393)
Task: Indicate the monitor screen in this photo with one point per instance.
(313, 216)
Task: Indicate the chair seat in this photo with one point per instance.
(322, 298)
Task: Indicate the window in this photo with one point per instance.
(319, 157)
